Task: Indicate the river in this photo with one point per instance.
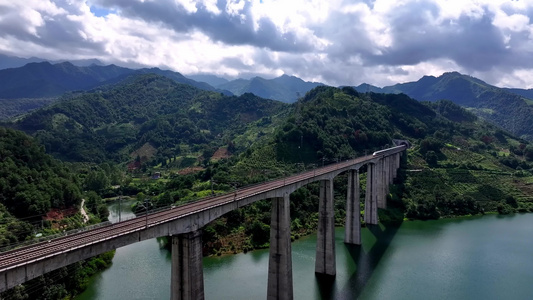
(489, 257)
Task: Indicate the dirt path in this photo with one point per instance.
(83, 213)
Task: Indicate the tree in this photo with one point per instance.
(260, 233)
(430, 144)
(431, 158)
(97, 181)
(93, 200)
(511, 201)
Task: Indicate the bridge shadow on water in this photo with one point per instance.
(366, 262)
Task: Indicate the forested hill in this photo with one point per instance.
(145, 109)
(507, 108)
(31, 183)
(334, 123)
(458, 165)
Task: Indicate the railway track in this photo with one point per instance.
(19, 256)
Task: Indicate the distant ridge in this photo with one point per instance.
(43, 79)
(7, 61)
(208, 78)
(522, 92)
(510, 109)
(284, 88)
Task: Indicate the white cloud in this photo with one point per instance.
(518, 77)
(514, 22)
(455, 9)
(211, 6)
(375, 22)
(338, 42)
(189, 5)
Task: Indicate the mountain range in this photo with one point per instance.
(37, 78)
(509, 108)
(43, 79)
(284, 88)
(7, 61)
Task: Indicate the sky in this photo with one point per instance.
(336, 42)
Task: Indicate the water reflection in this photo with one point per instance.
(367, 261)
(445, 259)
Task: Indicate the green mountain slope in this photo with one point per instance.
(11, 108)
(149, 109)
(507, 108)
(31, 183)
(458, 164)
(39, 194)
(155, 115)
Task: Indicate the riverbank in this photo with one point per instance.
(221, 239)
(240, 242)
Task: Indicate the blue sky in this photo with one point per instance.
(337, 42)
(99, 11)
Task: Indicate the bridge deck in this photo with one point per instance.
(41, 251)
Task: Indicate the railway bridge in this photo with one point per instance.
(184, 225)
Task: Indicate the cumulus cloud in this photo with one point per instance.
(339, 42)
(229, 21)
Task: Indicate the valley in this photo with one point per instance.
(266, 149)
(166, 143)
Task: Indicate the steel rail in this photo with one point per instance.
(35, 252)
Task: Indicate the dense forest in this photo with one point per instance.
(198, 143)
(41, 196)
(31, 181)
(110, 124)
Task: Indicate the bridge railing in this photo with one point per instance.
(53, 236)
(315, 166)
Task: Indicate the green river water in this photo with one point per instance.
(489, 257)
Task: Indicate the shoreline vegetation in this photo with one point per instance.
(240, 242)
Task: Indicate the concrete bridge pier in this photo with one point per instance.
(325, 244)
(280, 258)
(187, 276)
(385, 180)
(392, 170)
(352, 233)
(381, 184)
(386, 175)
(397, 160)
(371, 209)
